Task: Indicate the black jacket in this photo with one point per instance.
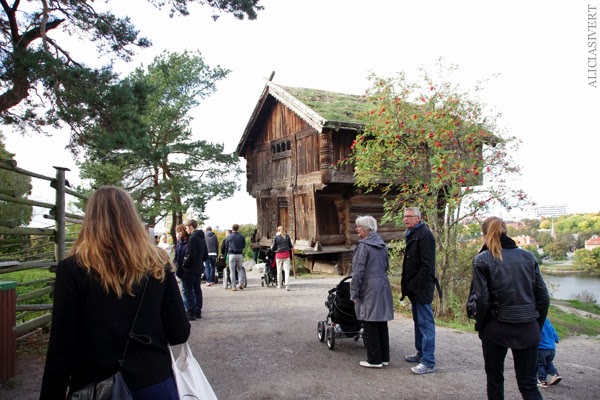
(511, 290)
(281, 243)
(90, 329)
(195, 254)
(418, 268)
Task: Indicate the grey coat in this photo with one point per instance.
(370, 286)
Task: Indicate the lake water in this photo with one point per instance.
(565, 286)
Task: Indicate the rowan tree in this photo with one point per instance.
(433, 145)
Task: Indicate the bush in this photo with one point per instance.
(585, 297)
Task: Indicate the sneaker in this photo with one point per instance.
(199, 315)
(554, 379)
(385, 363)
(542, 384)
(287, 288)
(422, 369)
(367, 365)
(191, 316)
(278, 287)
(413, 358)
(234, 289)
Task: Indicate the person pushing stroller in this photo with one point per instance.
(282, 246)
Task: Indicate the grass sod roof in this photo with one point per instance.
(333, 106)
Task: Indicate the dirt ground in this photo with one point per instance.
(261, 343)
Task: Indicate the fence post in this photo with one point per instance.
(8, 335)
(59, 237)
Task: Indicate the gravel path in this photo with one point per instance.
(261, 343)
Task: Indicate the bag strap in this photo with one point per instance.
(131, 334)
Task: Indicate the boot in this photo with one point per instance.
(191, 316)
(199, 314)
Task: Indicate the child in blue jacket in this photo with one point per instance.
(547, 372)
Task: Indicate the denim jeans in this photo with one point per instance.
(236, 263)
(192, 293)
(525, 361)
(209, 269)
(545, 364)
(424, 333)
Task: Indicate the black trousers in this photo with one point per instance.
(525, 361)
(377, 341)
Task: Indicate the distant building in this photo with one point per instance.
(525, 240)
(592, 242)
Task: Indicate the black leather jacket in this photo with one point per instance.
(511, 290)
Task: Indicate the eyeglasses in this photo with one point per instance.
(410, 216)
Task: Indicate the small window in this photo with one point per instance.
(288, 145)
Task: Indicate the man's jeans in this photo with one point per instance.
(209, 269)
(424, 333)
(192, 293)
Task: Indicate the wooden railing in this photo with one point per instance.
(36, 248)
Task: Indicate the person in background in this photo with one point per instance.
(511, 306)
(371, 292)
(212, 245)
(254, 243)
(418, 279)
(165, 245)
(283, 249)
(193, 266)
(180, 249)
(235, 247)
(546, 371)
(113, 268)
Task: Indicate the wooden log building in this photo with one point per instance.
(291, 145)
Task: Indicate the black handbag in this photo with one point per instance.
(113, 387)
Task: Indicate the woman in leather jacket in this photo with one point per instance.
(511, 306)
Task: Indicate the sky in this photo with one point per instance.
(537, 52)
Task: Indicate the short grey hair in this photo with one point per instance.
(414, 210)
(367, 222)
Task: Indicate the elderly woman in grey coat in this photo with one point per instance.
(371, 292)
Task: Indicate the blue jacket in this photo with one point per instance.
(549, 337)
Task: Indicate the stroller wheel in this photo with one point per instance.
(267, 280)
(330, 334)
(262, 282)
(321, 331)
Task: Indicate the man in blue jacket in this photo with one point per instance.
(235, 247)
(193, 266)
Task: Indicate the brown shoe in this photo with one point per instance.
(234, 289)
(241, 287)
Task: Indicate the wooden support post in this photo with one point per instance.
(60, 204)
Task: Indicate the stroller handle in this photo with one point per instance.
(342, 281)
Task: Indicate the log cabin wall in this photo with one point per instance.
(283, 155)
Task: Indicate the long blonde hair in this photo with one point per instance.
(493, 228)
(114, 243)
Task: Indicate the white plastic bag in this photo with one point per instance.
(190, 379)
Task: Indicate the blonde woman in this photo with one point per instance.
(99, 288)
(282, 246)
(512, 303)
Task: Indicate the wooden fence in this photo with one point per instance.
(35, 248)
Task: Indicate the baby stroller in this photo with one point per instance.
(270, 274)
(227, 278)
(341, 319)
